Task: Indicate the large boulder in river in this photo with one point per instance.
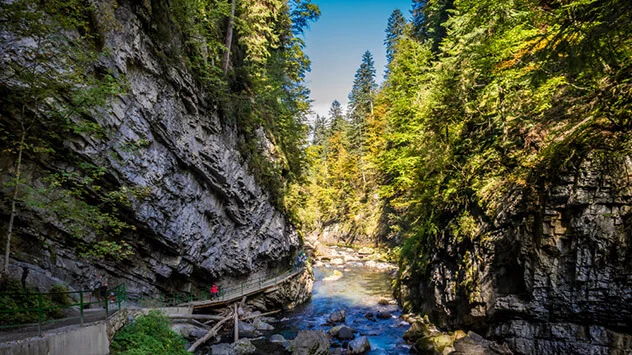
(243, 347)
(222, 349)
(279, 339)
(474, 344)
(189, 331)
(359, 346)
(336, 317)
(342, 332)
(419, 330)
(384, 315)
(310, 342)
(246, 330)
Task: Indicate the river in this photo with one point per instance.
(357, 292)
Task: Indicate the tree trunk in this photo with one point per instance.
(229, 38)
(211, 333)
(7, 250)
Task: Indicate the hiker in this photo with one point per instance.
(214, 291)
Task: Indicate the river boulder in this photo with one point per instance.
(359, 346)
(384, 315)
(310, 342)
(246, 330)
(474, 344)
(342, 332)
(243, 347)
(336, 317)
(222, 349)
(279, 339)
(189, 331)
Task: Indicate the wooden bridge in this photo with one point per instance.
(260, 285)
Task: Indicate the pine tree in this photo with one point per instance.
(336, 118)
(429, 17)
(361, 100)
(394, 30)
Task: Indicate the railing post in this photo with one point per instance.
(118, 297)
(39, 313)
(107, 313)
(81, 305)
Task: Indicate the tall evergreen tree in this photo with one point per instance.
(336, 117)
(394, 30)
(361, 99)
(429, 17)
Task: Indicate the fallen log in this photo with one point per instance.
(261, 315)
(211, 333)
(195, 316)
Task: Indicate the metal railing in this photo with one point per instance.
(180, 298)
(37, 309)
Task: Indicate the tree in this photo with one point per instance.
(336, 118)
(429, 17)
(361, 100)
(394, 30)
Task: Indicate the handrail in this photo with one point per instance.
(40, 305)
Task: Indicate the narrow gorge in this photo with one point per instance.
(479, 171)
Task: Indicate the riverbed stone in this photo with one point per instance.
(243, 347)
(246, 330)
(279, 339)
(384, 315)
(474, 344)
(310, 342)
(336, 317)
(189, 330)
(359, 345)
(222, 349)
(342, 332)
(416, 331)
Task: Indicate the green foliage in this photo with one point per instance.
(20, 305)
(148, 335)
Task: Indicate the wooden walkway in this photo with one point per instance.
(265, 286)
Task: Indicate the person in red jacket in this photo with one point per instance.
(214, 291)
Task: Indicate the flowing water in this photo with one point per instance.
(358, 293)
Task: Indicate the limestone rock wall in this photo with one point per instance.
(551, 274)
(205, 217)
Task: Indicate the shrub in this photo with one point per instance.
(148, 335)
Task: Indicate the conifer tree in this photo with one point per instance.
(394, 30)
(429, 17)
(361, 100)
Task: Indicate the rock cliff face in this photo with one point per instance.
(204, 217)
(551, 274)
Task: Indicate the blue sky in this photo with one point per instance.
(336, 42)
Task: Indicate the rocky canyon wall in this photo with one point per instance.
(550, 273)
(202, 217)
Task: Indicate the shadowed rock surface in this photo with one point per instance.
(551, 272)
(202, 216)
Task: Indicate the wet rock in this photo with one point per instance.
(384, 315)
(337, 261)
(310, 342)
(416, 331)
(246, 330)
(433, 344)
(243, 347)
(222, 349)
(336, 317)
(342, 332)
(474, 344)
(370, 316)
(359, 345)
(279, 339)
(384, 302)
(335, 276)
(189, 331)
(263, 326)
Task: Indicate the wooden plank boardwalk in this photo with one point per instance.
(265, 286)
